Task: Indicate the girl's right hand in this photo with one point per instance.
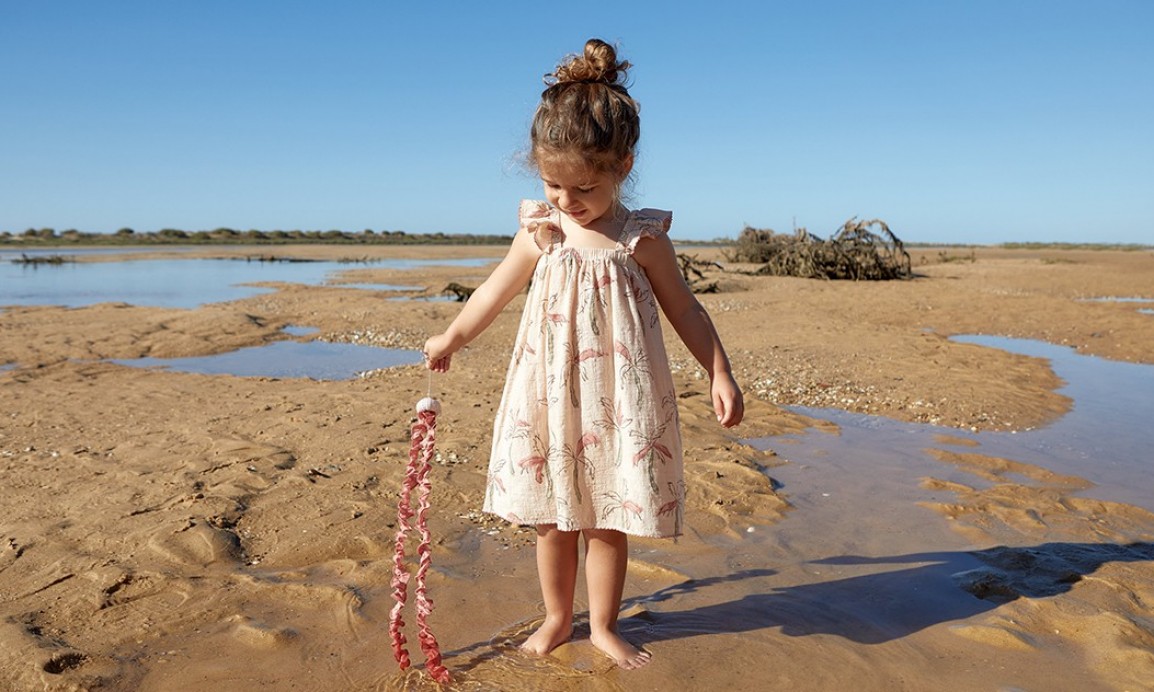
(437, 353)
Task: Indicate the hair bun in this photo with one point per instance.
(598, 64)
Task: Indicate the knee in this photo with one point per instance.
(549, 533)
(610, 536)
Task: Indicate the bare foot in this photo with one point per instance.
(548, 636)
(628, 657)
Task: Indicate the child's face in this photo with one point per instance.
(581, 192)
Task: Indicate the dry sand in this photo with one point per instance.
(169, 531)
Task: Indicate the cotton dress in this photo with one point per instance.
(587, 434)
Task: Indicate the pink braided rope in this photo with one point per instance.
(416, 476)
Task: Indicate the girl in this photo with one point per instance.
(586, 441)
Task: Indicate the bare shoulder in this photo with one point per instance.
(514, 271)
(651, 252)
(523, 250)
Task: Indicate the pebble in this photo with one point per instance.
(791, 379)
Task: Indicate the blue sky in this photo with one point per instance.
(970, 121)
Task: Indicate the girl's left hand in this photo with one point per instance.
(728, 403)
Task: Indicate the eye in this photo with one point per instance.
(586, 190)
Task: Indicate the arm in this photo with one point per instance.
(510, 276)
(691, 322)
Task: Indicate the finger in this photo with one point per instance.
(726, 418)
(719, 408)
(736, 413)
(733, 411)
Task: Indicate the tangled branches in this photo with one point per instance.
(691, 271)
(854, 252)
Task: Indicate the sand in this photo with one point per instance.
(173, 531)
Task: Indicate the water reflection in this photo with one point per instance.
(178, 283)
(1117, 299)
(1132, 299)
(317, 360)
(9, 255)
(1105, 438)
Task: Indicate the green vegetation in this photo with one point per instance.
(47, 237)
(1076, 246)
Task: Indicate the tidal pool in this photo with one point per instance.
(316, 360)
(862, 553)
(178, 283)
(1119, 299)
(1105, 438)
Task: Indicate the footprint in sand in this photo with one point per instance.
(196, 543)
(25, 655)
(261, 636)
(226, 452)
(131, 588)
(64, 661)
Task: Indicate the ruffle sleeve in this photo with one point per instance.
(542, 221)
(647, 223)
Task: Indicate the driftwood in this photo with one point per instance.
(853, 253)
(461, 293)
(273, 259)
(691, 271)
(36, 260)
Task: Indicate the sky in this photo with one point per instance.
(971, 121)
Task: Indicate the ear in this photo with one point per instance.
(625, 167)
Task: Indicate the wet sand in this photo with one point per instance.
(173, 531)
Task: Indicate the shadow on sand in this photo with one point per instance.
(884, 605)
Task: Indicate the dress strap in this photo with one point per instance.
(644, 223)
(544, 222)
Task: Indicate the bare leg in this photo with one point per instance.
(606, 556)
(557, 570)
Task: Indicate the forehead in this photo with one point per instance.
(568, 173)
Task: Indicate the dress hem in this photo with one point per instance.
(522, 521)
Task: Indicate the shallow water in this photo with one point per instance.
(297, 330)
(1130, 299)
(1118, 299)
(178, 283)
(317, 360)
(8, 254)
(862, 557)
(1105, 438)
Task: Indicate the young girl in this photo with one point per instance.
(586, 441)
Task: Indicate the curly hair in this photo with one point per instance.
(586, 113)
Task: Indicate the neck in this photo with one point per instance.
(609, 225)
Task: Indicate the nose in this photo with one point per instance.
(563, 199)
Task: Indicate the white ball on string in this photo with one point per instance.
(429, 404)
